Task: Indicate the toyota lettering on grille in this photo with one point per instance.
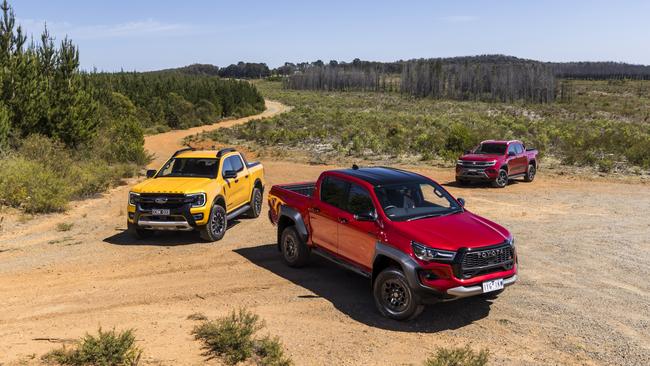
(161, 200)
(490, 253)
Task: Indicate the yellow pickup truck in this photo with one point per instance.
(196, 190)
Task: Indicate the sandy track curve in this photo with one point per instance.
(163, 145)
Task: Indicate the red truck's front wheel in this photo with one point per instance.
(394, 297)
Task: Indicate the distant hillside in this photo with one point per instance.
(572, 70)
(567, 70)
(194, 69)
(241, 70)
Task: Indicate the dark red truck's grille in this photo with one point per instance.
(484, 261)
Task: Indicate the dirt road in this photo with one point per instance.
(583, 298)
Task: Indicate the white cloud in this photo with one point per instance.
(140, 28)
(460, 18)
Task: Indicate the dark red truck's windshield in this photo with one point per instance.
(491, 148)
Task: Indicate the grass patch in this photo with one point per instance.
(462, 356)
(109, 348)
(64, 226)
(604, 125)
(233, 339)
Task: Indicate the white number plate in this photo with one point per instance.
(160, 211)
(493, 285)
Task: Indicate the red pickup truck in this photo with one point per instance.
(497, 162)
(415, 242)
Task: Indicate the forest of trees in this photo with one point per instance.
(245, 70)
(179, 100)
(335, 78)
(493, 79)
(41, 89)
(502, 82)
(600, 70)
(193, 69)
(362, 75)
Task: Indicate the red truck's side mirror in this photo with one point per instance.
(371, 216)
(511, 153)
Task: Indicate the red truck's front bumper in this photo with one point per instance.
(438, 282)
(487, 174)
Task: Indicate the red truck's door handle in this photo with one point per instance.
(314, 209)
(343, 220)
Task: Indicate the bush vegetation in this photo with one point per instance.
(233, 340)
(463, 356)
(604, 124)
(109, 348)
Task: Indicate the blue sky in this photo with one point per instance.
(149, 35)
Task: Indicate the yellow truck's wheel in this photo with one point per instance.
(216, 227)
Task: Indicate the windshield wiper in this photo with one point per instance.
(452, 212)
(434, 215)
(424, 217)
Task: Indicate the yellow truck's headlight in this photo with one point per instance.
(133, 198)
(198, 199)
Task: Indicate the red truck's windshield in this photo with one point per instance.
(412, 201)
(491, 148)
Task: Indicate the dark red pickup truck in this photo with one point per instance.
(416, 243)
(497, 162)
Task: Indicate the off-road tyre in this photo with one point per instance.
(394, 297)
(530, 173)
(502, 179)
(217, 224)
(138, 233)
(255, 203)
(295, 251)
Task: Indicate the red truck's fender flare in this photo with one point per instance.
(287, 213)
(408, 265)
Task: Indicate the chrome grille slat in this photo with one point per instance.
(494, 259)
(476, 164)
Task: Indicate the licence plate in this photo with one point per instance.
(472, 170)
(494, 285)
(160, 211)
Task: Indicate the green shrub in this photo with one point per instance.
(463, 356)
(232, 339)
(106, 349)
(42, 175)
(32, 186)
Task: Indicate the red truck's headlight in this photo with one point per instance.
(425, 253)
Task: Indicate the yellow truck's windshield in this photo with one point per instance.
(190, 167)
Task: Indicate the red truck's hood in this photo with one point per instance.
(481, 157)
(454, 231)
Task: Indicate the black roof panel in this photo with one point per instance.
(380, 176)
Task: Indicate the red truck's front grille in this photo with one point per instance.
(489, 260)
